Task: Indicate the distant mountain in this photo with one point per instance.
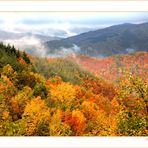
(118, 39)
(4, 35)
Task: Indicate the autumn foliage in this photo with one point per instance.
(34, 104)
(111, 68)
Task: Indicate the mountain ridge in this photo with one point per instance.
(116, 39)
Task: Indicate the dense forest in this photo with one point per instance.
(113, 67)
(59, 97)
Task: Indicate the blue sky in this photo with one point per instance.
(66, 24)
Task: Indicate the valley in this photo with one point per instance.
(91, 84)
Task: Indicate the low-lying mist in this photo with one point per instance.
(31, 45)
(35, 46)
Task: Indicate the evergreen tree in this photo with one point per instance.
(25, 57)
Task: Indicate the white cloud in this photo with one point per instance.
(60, 25)
(64, 52)
(64, 24)
(52, 29)
(30, 44)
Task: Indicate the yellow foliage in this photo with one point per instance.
(5, 115)
(63, 92)
(37, 108)
(78, 114)
(8, 70)
(89, 110)
(39, 78)
(19, 101)
(35, 112)
(6, 86)
(6, 80)
(108, 126)
(57, 127)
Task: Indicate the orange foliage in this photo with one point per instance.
(15, 105)
(115, 106)
(90, 110)
(95, 107)
(5, 115)
(108, 67)
(76, 120)
(98, 86)
(22, 61)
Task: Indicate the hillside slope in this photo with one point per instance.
(118, 39)
(68, 101)
(111, 68)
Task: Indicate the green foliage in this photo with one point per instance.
(9, 55)
(139, 87)
(9, 59)
(134, 86)
(131, 125)
(66, 69)
(43, 129)
(23, 79)
(26, 58)
(40, 90)
(14, 128)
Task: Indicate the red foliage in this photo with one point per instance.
(108, 68)
(100, 87)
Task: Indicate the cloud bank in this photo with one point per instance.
(66, 24)
(60, 25)
(30, 44)
(35, 46)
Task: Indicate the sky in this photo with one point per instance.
(65, 24)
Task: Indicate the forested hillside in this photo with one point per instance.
(117, 39)
(111, 68)
(58, 97)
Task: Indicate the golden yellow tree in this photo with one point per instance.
(57, 127)
(36, 114)
(64, 95)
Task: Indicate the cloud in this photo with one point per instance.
(65, 24)
(61, 25)
(35, 46)
(130, 50)
(63, 52)
(60, 30)
(54, 29)
(30, 44)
